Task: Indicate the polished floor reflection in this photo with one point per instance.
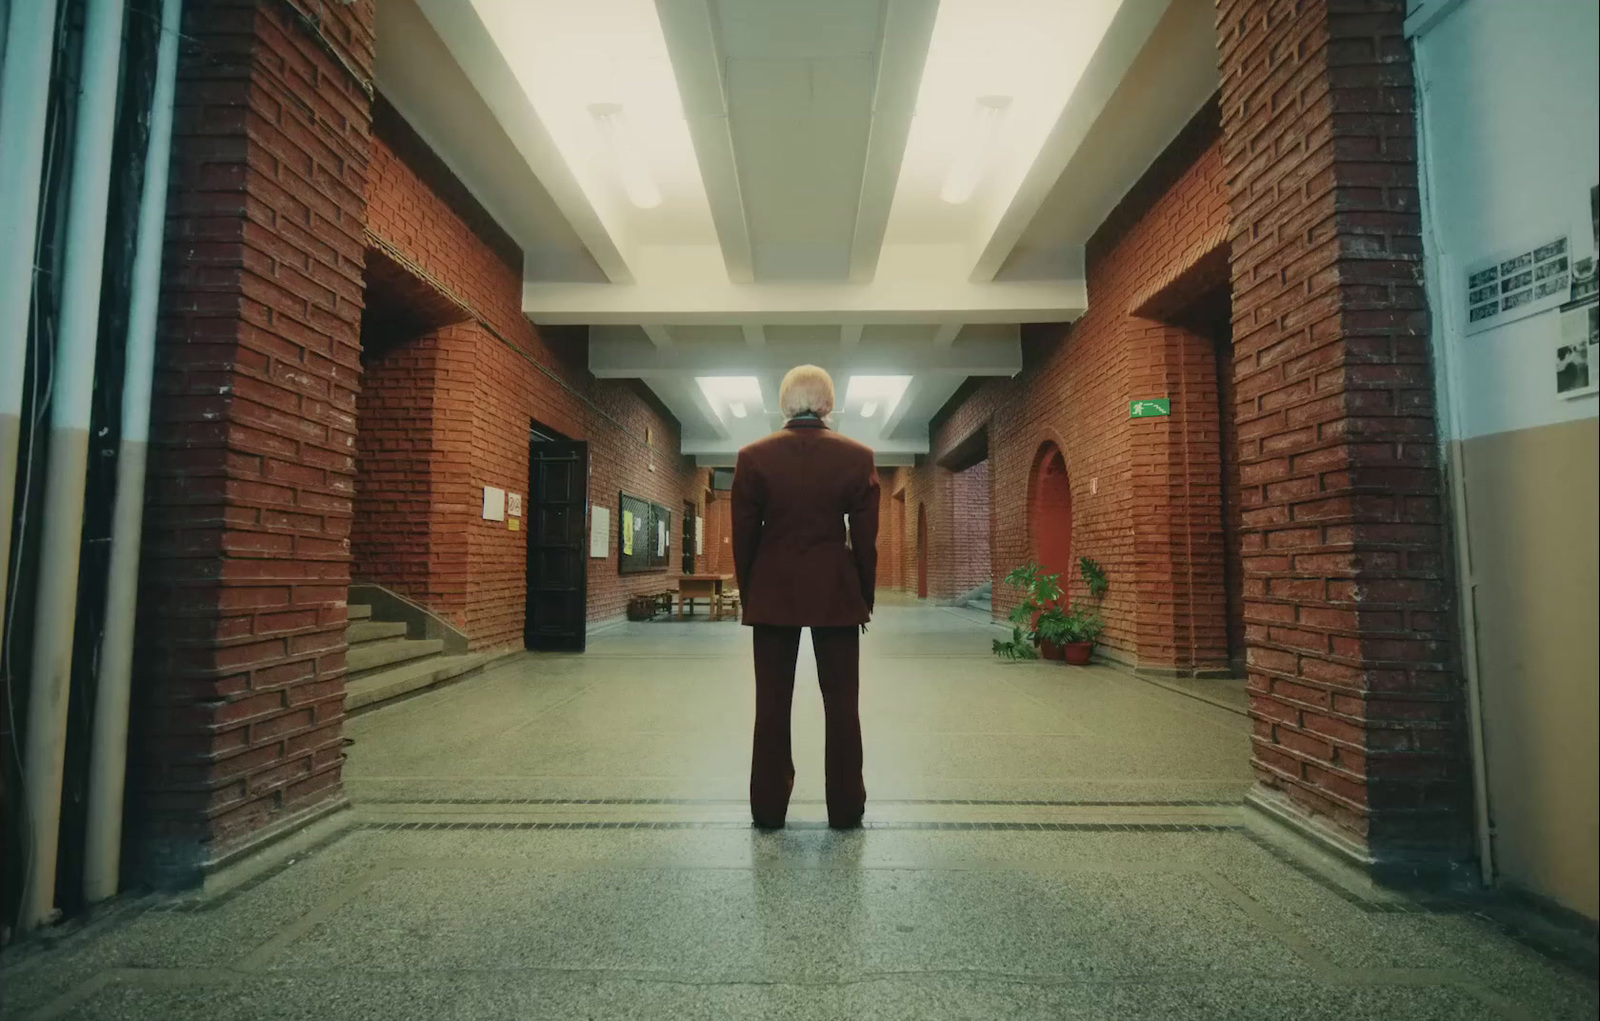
(566, 837)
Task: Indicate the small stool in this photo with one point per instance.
(728, 603)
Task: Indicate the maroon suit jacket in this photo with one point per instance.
(792, 492)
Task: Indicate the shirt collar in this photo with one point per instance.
(806, 422)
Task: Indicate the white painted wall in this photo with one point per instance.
(1510, 136)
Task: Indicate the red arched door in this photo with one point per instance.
(1050, 513)
(922, 551)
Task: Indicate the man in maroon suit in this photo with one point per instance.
(797, 567)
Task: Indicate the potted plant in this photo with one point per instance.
(1078, 629)
(1040, 591)
(1076, 634)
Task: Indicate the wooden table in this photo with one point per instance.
(702, 586)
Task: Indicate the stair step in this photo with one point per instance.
(363, 632)
(385, 685)
(376, 655)
(359, 611)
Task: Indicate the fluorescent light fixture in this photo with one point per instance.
(631, 170)
(975, 149)
(732, 395)
(873, 394)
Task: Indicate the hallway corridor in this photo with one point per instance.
(566, 837)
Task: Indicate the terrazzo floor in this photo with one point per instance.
(566, 837)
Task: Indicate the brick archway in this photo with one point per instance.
(1050, 510)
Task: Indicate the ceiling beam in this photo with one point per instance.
(850, 334)
(947, 334)
(658, 334)
(905, 301)
(907, 29)
(613, 355)
(480, 58)
(698, 62)
(754, 334)
(1004, 221)
(683, 396)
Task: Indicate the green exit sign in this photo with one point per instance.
(1150, 408)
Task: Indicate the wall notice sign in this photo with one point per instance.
(1517, 284)
(662, 541)
(514, 525)
(627, 533)
(514, 504)
(494, 504)
(600, 533)
(699, 536)
(1150, 407)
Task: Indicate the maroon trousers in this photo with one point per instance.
(838, 652)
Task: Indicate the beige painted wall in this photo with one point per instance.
(1532, 509)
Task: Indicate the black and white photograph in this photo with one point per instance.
(1585, 284)
(1553, 286)
(1572, 369)
(1515, 263)
(1516, 284)
(1486, 276)
(1551, 250)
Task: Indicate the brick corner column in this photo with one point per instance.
(1355, 696)
(239, 697)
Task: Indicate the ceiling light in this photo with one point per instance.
(734, 396)
(976, 147)
(873, 394)
(631, 170)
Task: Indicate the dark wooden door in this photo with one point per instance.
(688, 538)
(558, 563)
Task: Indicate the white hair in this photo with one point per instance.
(806, 388)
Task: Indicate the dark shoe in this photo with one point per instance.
(766, 827)
(848, 824)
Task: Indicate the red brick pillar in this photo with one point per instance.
(1356, 703)
(240, 677)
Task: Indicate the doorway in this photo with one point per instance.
(558, 565)
(688, 537)
(1210, 316)
(922, 551)
(1050, 512)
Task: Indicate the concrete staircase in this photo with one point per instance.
(980, 598)
(383, 664)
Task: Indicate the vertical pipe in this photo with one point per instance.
(109, 751)
(70, 404)
(24, 96)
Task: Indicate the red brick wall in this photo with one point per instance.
(970, 522)
(240, 672)
(487, 387)
(1356, 701)
(891, 530)
(1074, 391)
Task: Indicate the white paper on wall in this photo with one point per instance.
(1516, 284)
(600, 533)
(661, 536)
(514, 504)
(494, 504)
(699, 536)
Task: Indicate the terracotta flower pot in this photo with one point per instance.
(1050, 650)
(1077, 653)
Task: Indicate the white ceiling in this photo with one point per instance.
(793, 157)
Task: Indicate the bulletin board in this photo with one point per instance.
(644, 536)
